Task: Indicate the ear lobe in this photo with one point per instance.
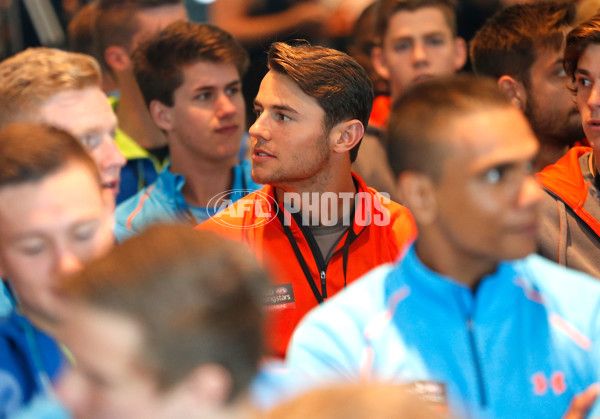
(460, 53)
(346, 135)
(162, 115)
(514, 90)
(117, 58)
(379, 63)
(417, 193)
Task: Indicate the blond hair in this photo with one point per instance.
(32, 77)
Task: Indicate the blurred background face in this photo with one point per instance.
(86, 114)
(418, 45)
(587, 79)
(208, 114)
(112, 380)
(550, 107)
(52, 227)
(109, 380)
(487, 196)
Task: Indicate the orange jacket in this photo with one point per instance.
(254, 220)
(565, 181)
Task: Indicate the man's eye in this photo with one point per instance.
(203, 96)
(402, 45)
(232, 91)
(283, 117)
(258, 112)
(32, 249)
(584, 82)
(91, 141)
(437, 40)
(493, 176)
(85, 233)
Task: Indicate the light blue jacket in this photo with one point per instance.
(521, 346)
(163, 201)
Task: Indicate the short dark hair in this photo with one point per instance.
(582, 36)
(159, 61)
(508, 42)
(197, 297)
(388, 8)
(114, 23)
(340, 85)
(31, 152)
(420, 117)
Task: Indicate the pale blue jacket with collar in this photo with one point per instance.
(522, 346)
(164, 202)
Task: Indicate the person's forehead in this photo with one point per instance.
(91, 331)
(209, 73)
(68, 196)
(79, 110)
(279, 89)
(590, 58)
(491, 136)
(407, 23)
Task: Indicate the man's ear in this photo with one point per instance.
(514, 90)
(210, 384)
(417, 192)
(117, 58)
(460, 53)
(379, 63)
(162, 115)
(346, 135)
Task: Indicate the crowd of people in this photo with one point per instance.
(382, 238)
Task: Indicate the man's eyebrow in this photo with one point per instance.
(209, 86)
(281, 108)
(284, 108)
(582, 71)
(89, 130)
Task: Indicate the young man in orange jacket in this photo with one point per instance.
(570, 213)
(315, 224)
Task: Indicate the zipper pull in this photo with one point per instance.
(323, 285)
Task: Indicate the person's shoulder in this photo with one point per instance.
(160, 195)
(254, 210)
(19, 362)
(567, 292)
(541, 269)
(143, 208)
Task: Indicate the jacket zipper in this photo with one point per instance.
(477, 362)
(324, 283)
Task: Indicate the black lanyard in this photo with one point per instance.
(313, 286)
(321, 265)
